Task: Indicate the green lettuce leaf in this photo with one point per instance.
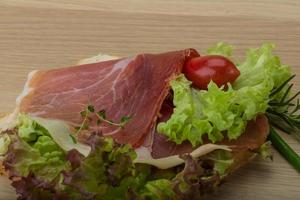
(40, 169)
(106, 173)
(217, 112)
(203, 112)
(262, 71)
(222, 161)
(29, 130)
(24, 158)
(222, 49)
(4, 144)
(265, 151)
(61, 133)
(32, 149)
(179, 126)
(159, 189)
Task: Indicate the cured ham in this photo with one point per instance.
(254, 136)
(134, 86)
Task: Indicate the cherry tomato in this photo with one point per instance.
(201, 70)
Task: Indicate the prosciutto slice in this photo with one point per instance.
(254, 136)
(134, 86)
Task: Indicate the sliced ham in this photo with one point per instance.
(165, 154)
(134, 86)
(254, 136)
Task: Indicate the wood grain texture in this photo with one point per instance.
(36, 34)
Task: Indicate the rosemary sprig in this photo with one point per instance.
(283, 113)
(278, 89)
(87, 113)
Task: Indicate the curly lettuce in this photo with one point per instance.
(221, 49)
(222, 161)
(33, 149)
(217, 112)
(4, 144)
(209, 112)
(262, 70)
(40, 169)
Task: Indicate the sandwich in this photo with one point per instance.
(162, 126)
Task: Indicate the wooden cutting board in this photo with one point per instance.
(44, 34)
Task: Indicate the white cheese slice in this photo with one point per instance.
(60, 132)
(144, 156)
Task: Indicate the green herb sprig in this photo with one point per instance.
(284, 113)
(102, 118)
(87, 113)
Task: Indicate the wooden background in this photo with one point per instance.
(43, 34)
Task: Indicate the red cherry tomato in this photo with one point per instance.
(201, 70)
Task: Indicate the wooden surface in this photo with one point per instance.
(44, 34)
